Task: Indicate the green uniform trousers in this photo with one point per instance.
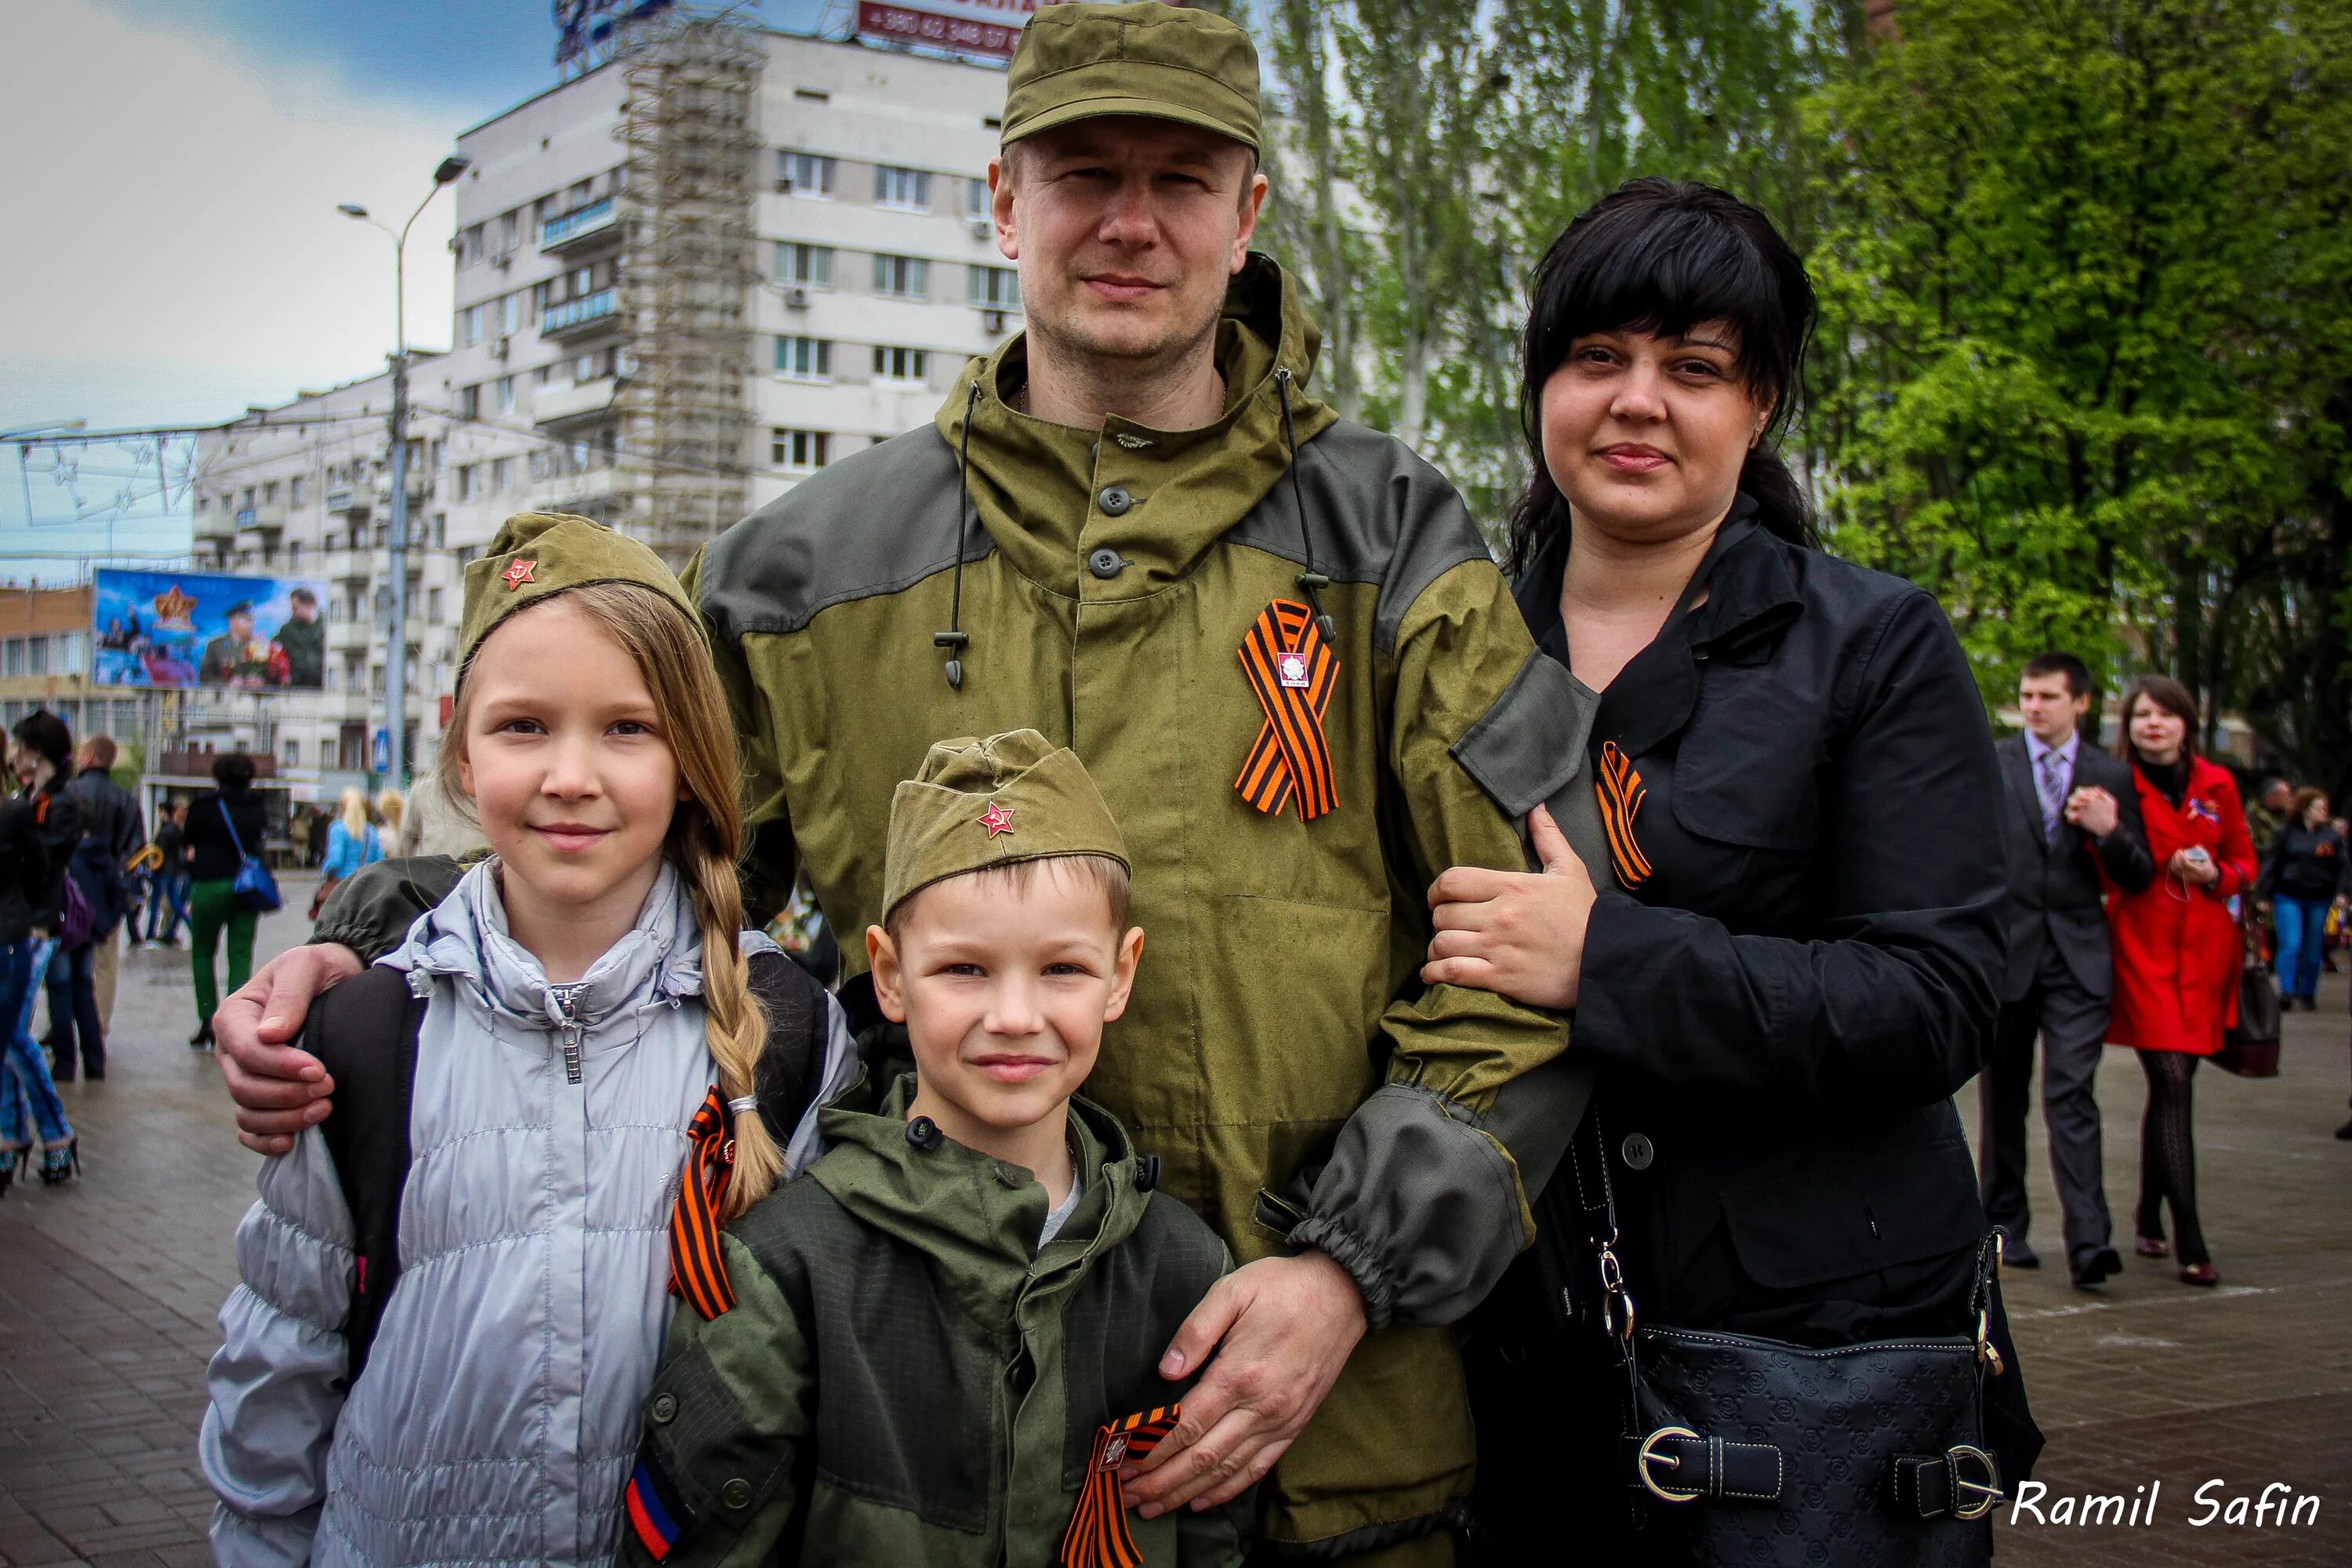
(215, 904)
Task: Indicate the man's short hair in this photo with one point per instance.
(100, 751)
(302, 596)
(2056, 662)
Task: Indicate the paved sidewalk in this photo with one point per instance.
(107, 1291)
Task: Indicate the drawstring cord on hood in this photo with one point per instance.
(954, 639)
(1310, 580)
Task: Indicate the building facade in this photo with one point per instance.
(859, 272)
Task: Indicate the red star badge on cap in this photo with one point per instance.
(518, 572)
(996, 819)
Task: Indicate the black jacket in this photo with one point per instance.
(2054, 894)
(56, 819)
(24, 871)
(213, 855)
(1783, 1009)
(113, 829)
(2307, 863)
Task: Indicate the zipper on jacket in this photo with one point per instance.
(567, 1004)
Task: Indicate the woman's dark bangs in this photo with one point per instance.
(1639, 273)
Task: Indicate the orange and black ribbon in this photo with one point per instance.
(1290, 755)
(1098, 1536)
(696, 1271)
(1621, 791)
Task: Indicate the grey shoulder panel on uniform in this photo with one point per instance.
(1377, 513)
(876, 523)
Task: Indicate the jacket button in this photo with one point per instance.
(1115, 500)
(665, 1408)
(736, 1493)
(1105, 562)
(924, 1133)
(1637, 1152)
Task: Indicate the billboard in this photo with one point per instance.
(989, 28)
(184, 629)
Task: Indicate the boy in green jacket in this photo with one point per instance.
(942, 1345)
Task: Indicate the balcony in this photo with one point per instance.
(350, 500)
(215, 522)
(553, 404)
(578, 225)
(351, 636)
(574, 317)
(267, 518)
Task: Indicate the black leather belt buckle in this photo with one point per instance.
(1675, 1464)
(1962, 1482)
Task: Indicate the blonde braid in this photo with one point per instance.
(737, 1029)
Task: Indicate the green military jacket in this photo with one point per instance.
(1279, 1053)
(905, 1378)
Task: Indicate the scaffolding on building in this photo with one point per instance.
(688, 266)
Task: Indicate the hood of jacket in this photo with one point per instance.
(465, 940)
(1036, 485)
(977, 1218)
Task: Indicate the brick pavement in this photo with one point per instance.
(107, 1291)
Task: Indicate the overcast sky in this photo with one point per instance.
(173, 252)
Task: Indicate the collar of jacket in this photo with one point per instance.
(1037, 486)
(975, 1217)
(465, 940)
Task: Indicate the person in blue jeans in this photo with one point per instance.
(2305, 871)
(167, 904)
(26, 1087)
(42, 760)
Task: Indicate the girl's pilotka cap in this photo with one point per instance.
(540, 553)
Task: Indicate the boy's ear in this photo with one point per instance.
(1122, 986)
(882, 962)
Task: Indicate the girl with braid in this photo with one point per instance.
(602, 1067)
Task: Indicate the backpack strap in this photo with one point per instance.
(792, 1065)
(364, 1032)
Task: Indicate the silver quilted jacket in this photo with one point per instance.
(497, 1419)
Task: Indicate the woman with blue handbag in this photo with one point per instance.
(225, 829)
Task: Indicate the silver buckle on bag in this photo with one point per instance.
(1648, 1455)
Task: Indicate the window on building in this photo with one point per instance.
(510, 230)
(511, 313)
(291, 752)
(976, 202)
(506, 399)
(908, 276)
(269, 493)
(294, 555)
(297, 488)
(466, 486)
(469, 325)
(543, 376)
(501, 473)
(440, 529)
(891, 364)
(805, 359)
(808, 266)
(204, 503)
(909, 190)
(469, 403)
(375, 679)
(433, 606)
(804, 173)
(36, 653)
(469, 246)
(802, 449)
(15, 655)
(993, 288)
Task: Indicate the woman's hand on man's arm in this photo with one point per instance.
(1517, 933)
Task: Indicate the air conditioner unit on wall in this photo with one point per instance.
(796, 298)
(993, 320)
(783, 187)
(502, 260)
(498, 347)
(982, 227)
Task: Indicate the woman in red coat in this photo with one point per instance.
(2178, 948)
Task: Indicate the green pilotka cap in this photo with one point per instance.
(977, 803)
(1082, 60)
(538, 554)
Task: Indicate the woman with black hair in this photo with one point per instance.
(1793, 966)
(224, 824)
(27, 890)
(45, 768)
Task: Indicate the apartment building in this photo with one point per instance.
(45, 643)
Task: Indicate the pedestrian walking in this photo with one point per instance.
(353, 842)
(2069, 812)
(595, 973)
(1785, 967)
(168, 908)
(77, 1042)
(28, 1092)
(1264, 628)
(390, 806)
(298, 835)
(2178, 950)
(113, 830)
(2307, 876)
(220, 821)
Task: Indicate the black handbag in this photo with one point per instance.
(1737, 1449)
(2250, 1048)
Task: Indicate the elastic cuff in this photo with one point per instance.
(1352, 1253)
(357, 935)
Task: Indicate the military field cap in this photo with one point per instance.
(977, 803)
(1082, 60)
(538, 554)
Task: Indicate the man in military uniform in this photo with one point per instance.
(233, 658)
(1282, 648)
(304, 638)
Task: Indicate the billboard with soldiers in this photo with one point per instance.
(180, 629)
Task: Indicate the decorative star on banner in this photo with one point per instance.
(171, 606)
(996, 819)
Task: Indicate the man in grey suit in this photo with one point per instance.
(2068, 809)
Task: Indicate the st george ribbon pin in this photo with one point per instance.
(1292, 671)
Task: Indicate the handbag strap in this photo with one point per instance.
(230, 823)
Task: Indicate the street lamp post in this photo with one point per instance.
(395, 657)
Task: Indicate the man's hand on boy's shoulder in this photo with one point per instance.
(278, 1088)
(1275, 1334)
